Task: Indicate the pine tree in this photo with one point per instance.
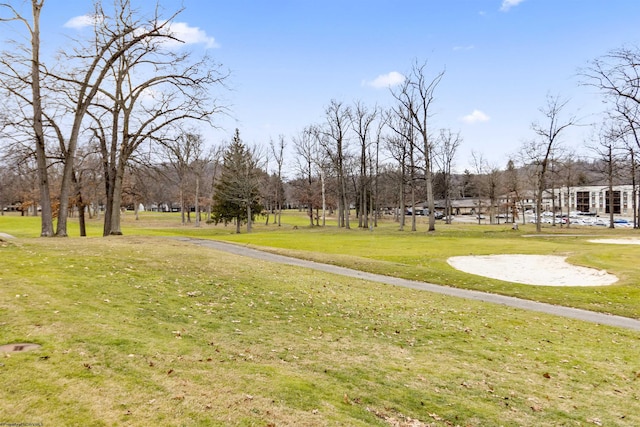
(236, 195)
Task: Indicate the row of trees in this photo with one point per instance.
(361, 147)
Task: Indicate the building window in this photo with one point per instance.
(616, 202)
(582, 201)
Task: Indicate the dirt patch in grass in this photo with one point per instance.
(18, 347)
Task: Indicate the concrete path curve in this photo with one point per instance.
(574, 313)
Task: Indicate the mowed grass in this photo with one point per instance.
(416, 255)
(423, 256)
(141, 331)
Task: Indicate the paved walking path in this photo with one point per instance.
(574, 313)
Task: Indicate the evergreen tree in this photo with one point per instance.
(236, 195)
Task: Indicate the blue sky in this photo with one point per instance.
(288, 59)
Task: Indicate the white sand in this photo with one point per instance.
(543, 270)
(630, 241)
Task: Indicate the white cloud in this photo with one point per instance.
(508, 4)
(386, 80)
(476, 116)
(180, 30)
(79, 22)
(190, 35)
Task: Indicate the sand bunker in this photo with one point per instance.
(630, 241)
(543, 270)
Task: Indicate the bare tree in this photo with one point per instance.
(186, 155)
(363, 125)
(513, 187)
(569, 176)
(334, 140)
(607, 148)
(398, 144)
(627, 114)
(10, 74)
(278, 154)
(416, 96)
(312, 168)
(444, 158)
(487, 183)
(541, 151)
(401, 145)
(95, 61)
(306, 152)
(137, 110)
(374, 168)
(617, 75)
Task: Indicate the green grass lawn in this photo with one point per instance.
(143, 330)
(423, 256)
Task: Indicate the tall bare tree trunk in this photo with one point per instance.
(46, 214)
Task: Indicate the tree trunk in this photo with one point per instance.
(41, 157)
(430, 201)
(402, 197)
(115, 229)
(108, 207)
(634, 190)
(197, 201)
(183, 219)
(345, 204)
(80, 205)
(324, 200)
(539, 197)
